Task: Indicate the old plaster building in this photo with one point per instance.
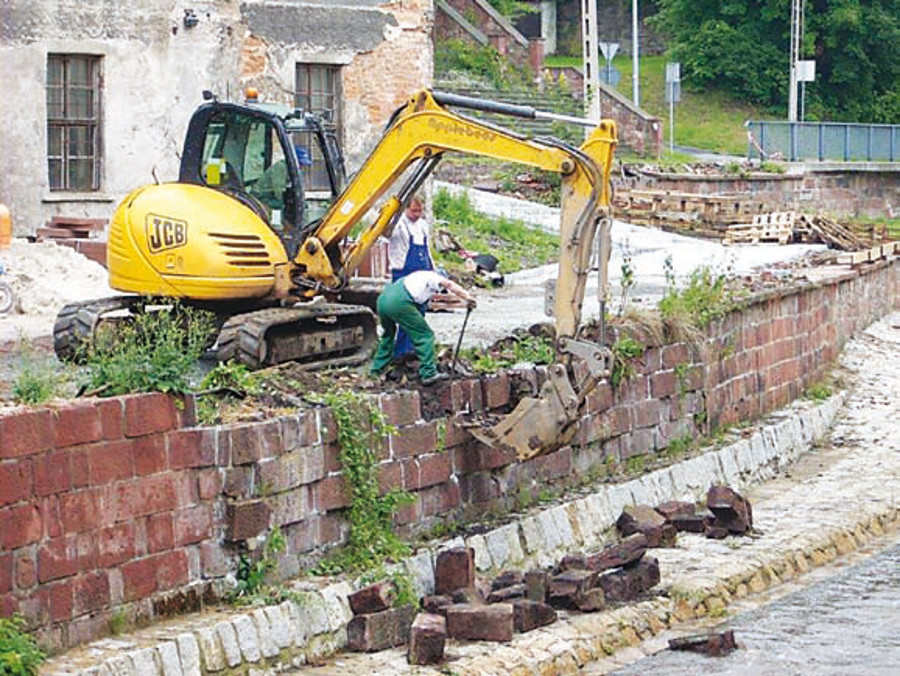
(97, 93)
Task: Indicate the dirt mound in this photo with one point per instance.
(45, 276)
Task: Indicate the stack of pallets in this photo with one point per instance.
(775, 227)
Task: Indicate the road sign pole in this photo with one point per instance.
(671, 117)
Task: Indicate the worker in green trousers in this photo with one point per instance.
(399, 305)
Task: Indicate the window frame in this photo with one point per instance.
(307, 94)
(68, 122)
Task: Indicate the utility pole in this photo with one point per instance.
(635, 55)
(796, 43)
(590, 58)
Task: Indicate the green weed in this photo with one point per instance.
(155, 352)
(19, 654)
(252, 573)
(705, 298)
(362, 429)
(625, 351)
(818, 392)
(36, 381)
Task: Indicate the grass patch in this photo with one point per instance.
(516, 245)
(19, 654)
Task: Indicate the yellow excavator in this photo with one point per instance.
(234, 235)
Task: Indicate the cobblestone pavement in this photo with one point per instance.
(840, 496)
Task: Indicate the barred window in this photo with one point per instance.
(318, 90)
(73, 122)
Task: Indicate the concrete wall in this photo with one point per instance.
(122, 507)
(154, 70)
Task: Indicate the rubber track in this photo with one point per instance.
(243, 337)
(75, 324)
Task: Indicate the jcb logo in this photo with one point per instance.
(165, 233)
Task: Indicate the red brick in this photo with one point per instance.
(80, 511)
(414, 440)
(553, 465)
(467, 395)
(52, 473)
(454, 569)
(664, 384)
(478, 488)
(332, 454)
(255, 441)
(331, 493)
(110, 461)
(139, 578)
(111, 412)
(239, 482)
(192, 448)
(149, 454)
(16, 481)
(379, 631)
(92, 592)
(160, 532)
(148, 414)
(61, 601)
(427, 470)
(148, 495)
(58, 558)
(19, 526)
(193, 525)
(300, 430)
(171, 570)
(438, 500)
(480, 623)
(210, 483)
(88, 550)
(25, 433)
(115, 544)
(247, 519)
(77, 423)
(292, 506)
(81, 476)
(26, 570)
(6, 574)
(49, 514)
(496, 390)
(390, 477)
(296, 468)
(401, 408)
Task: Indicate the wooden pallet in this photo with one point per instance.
(68, 227)
(870, 255)
(774, 227)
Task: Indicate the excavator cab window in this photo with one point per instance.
(244, 156)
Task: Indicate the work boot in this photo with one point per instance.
(436, 378)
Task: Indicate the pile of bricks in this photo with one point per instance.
(468, 608)
(84, 235)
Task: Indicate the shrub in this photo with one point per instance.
(19, 654)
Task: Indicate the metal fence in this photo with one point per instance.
(820, 141)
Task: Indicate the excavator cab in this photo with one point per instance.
(258, 153)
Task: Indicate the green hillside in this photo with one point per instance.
(709, 120)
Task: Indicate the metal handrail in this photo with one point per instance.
(823, 141)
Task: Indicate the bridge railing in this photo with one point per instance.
(822, 141)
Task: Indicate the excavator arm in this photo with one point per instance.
(419, 134)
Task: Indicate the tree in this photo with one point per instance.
(742, 47)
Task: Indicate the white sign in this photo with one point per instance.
(673, 72)
(806, 71)
(609, 49)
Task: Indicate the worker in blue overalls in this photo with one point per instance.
(408, 252)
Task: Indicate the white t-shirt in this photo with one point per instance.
(423, 284)
(406, 232)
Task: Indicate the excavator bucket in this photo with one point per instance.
(536, 425)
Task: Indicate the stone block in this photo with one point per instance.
(247, 519)
(696, 523)
(435, 605)
(644, 519)
(507, 578)
(732, 510)
(379, 631)
(628, 550)
(427, 638)
(566, 588)
(675, 508)
(374, 598)
(480, 623)
(516, 591)
(536, 583)
(528, 615)
(625, 584)
(454, 569)
(591, 601)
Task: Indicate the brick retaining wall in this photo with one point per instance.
(123, 508)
